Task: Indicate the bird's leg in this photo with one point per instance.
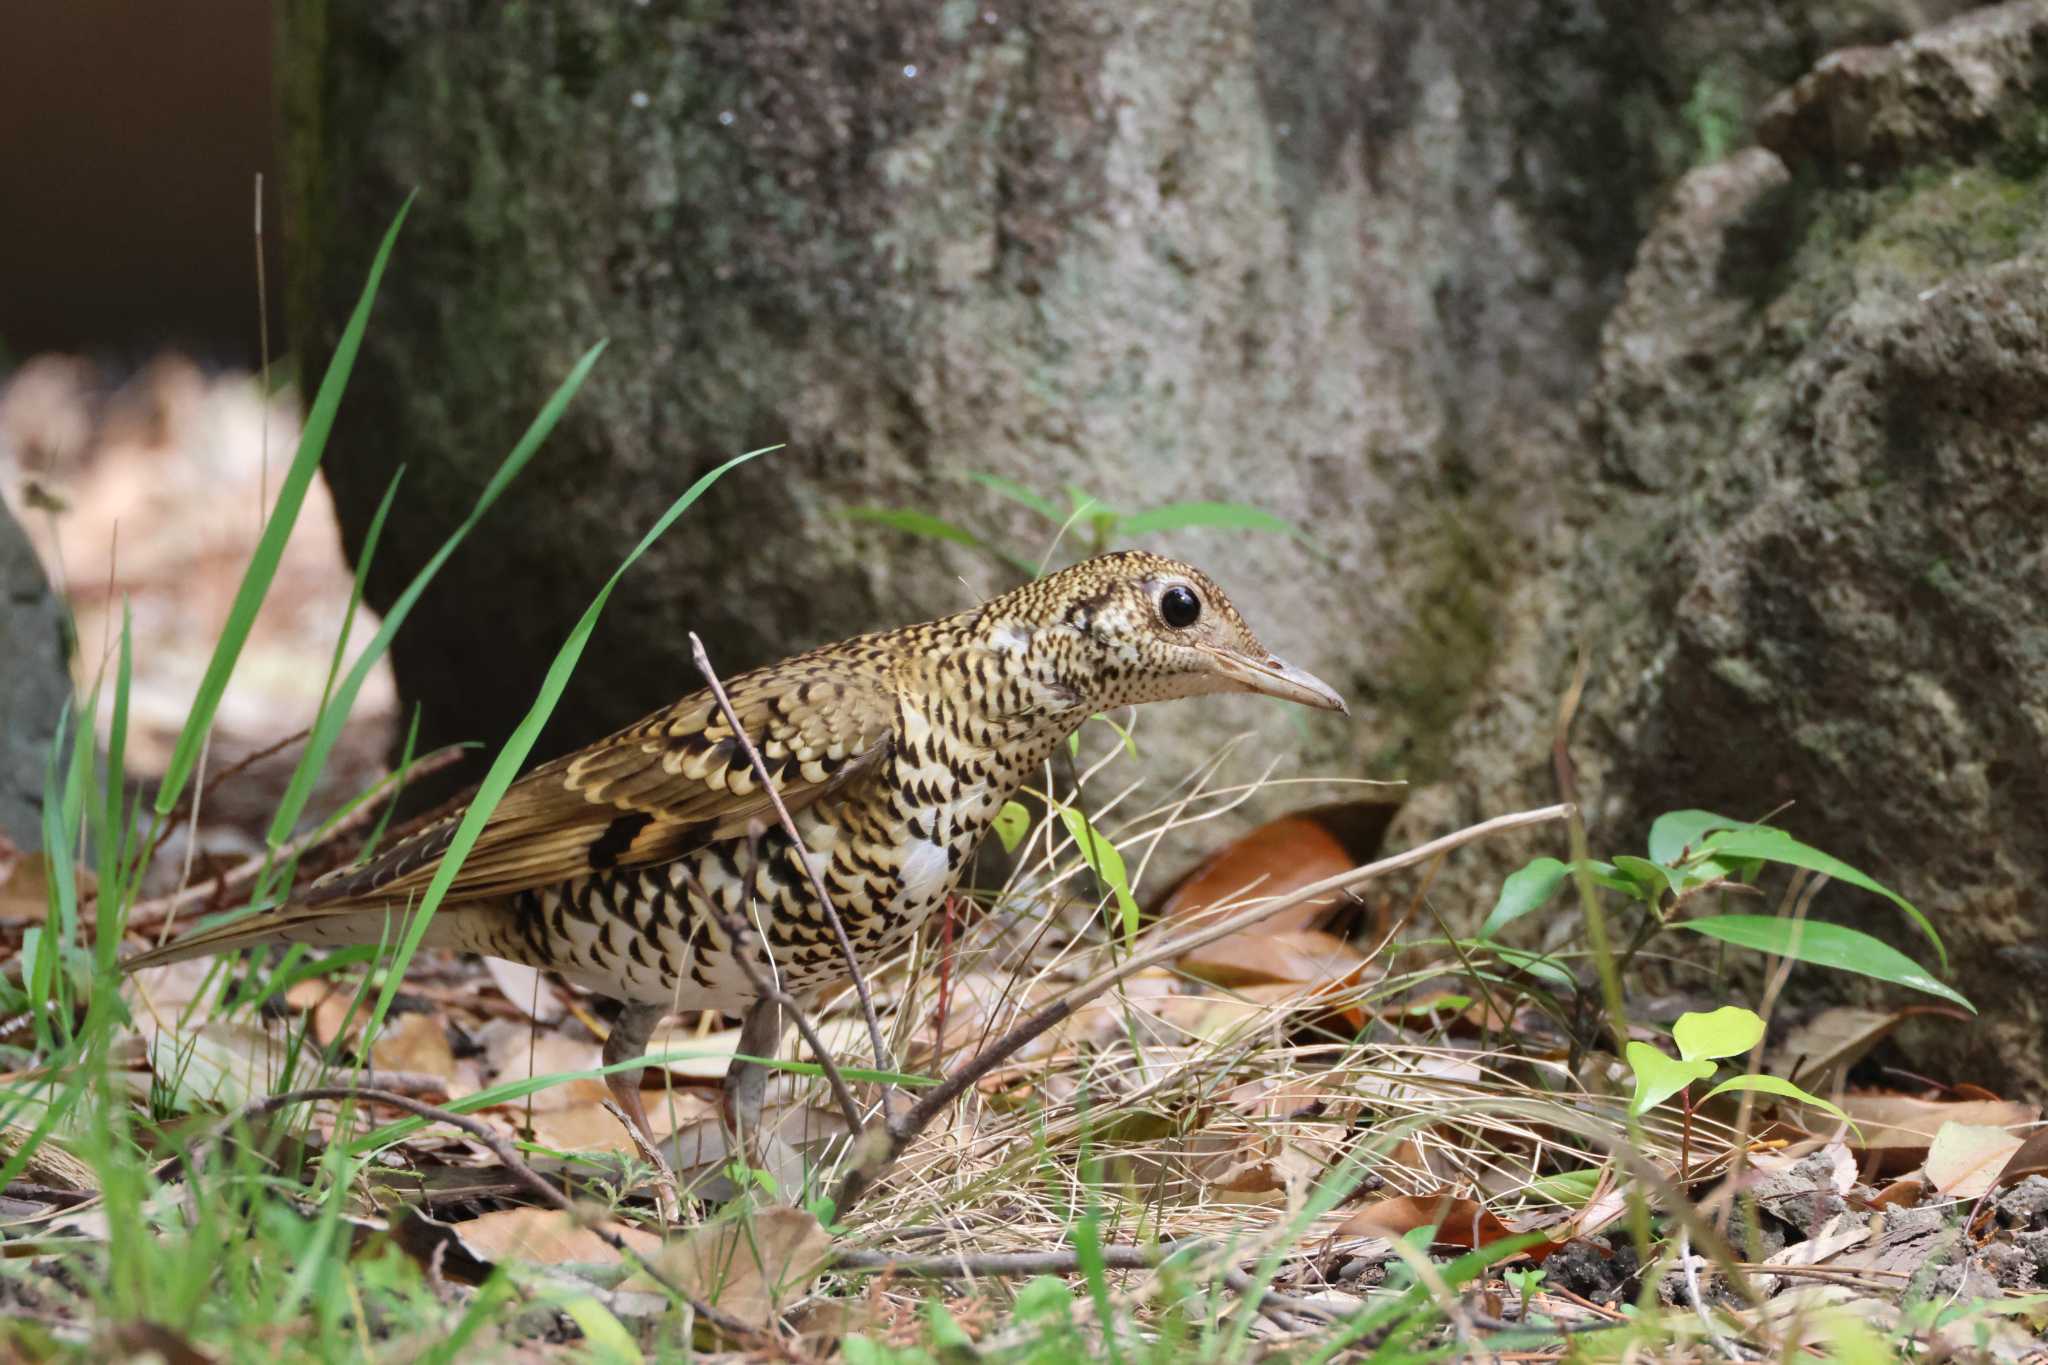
(746, 1082)
(945, 981)
(628, 1039)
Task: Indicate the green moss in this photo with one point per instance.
(1444, 657)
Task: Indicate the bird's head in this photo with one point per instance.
(1134, 627)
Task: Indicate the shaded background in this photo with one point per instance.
(1698, 340)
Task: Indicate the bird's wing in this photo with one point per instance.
(653, 792)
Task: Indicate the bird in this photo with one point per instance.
(624, 866)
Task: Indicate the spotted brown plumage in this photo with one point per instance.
(893, 753)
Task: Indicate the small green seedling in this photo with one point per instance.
(1101, 526)
(1703, 1041)
(1694, 851)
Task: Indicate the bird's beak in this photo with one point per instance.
(1273, 676)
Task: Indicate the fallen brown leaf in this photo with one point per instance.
(750, 1269)
(415, 1042)
(1272, 860)
(1459, 1222)
(1965, 1159)
(1302, 957)
(546, 1237)
(1893, 1132)
(527, 988)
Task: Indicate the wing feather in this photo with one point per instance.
(655, 790)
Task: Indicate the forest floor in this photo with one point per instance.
(1289, 1106)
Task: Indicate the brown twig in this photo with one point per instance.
(880, 1146)
(147, 915)
(796, 841)
(527, 1177)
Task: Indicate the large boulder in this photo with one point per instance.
(34, 682)
(1810, 564)
(1346, 263)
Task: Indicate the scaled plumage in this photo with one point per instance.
(893, 751)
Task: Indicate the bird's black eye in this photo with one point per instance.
(1179, 607)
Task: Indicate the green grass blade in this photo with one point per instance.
(291, 496)
(1233, 516)
(327, 729)
(1018, 493)
(513, 756)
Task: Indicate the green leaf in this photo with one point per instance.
(1011, 824)
(1526, 889)
(1107, 861)
(1538, 965)
(1676, 833)
(1824, 945)
(604, 1335)
(1175, 516)
(1728, 1031)
(1130, 744)
(291, 495)
(1659, 1075)
(1771, 1085)
(1649, 880)
(1776, 846)
(1570, 1188)
(1018, 493)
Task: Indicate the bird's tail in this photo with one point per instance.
(453, 926)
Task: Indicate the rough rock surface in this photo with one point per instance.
(34, 683)
(1350, 265)
(1810, 566)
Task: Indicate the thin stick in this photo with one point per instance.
(879, 1148)
(527, 1177)
(796, 840)
(736, 930)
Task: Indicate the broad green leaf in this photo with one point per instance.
(1776, 846)
(604, 1335)
(1650, 880)
(1728, 1031)
(1012, 823)
(1607, 875)
(1771, 1085)
(277, 528)
(1175, 516)
(1018, 493)
(1107, 861)
(1824, 945)
(1675, 833)
(933, 528)
(1659, 1075)
(1570, 1188)
(1526, 889)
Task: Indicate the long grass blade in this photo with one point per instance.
(512, 757)
(291, 496)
